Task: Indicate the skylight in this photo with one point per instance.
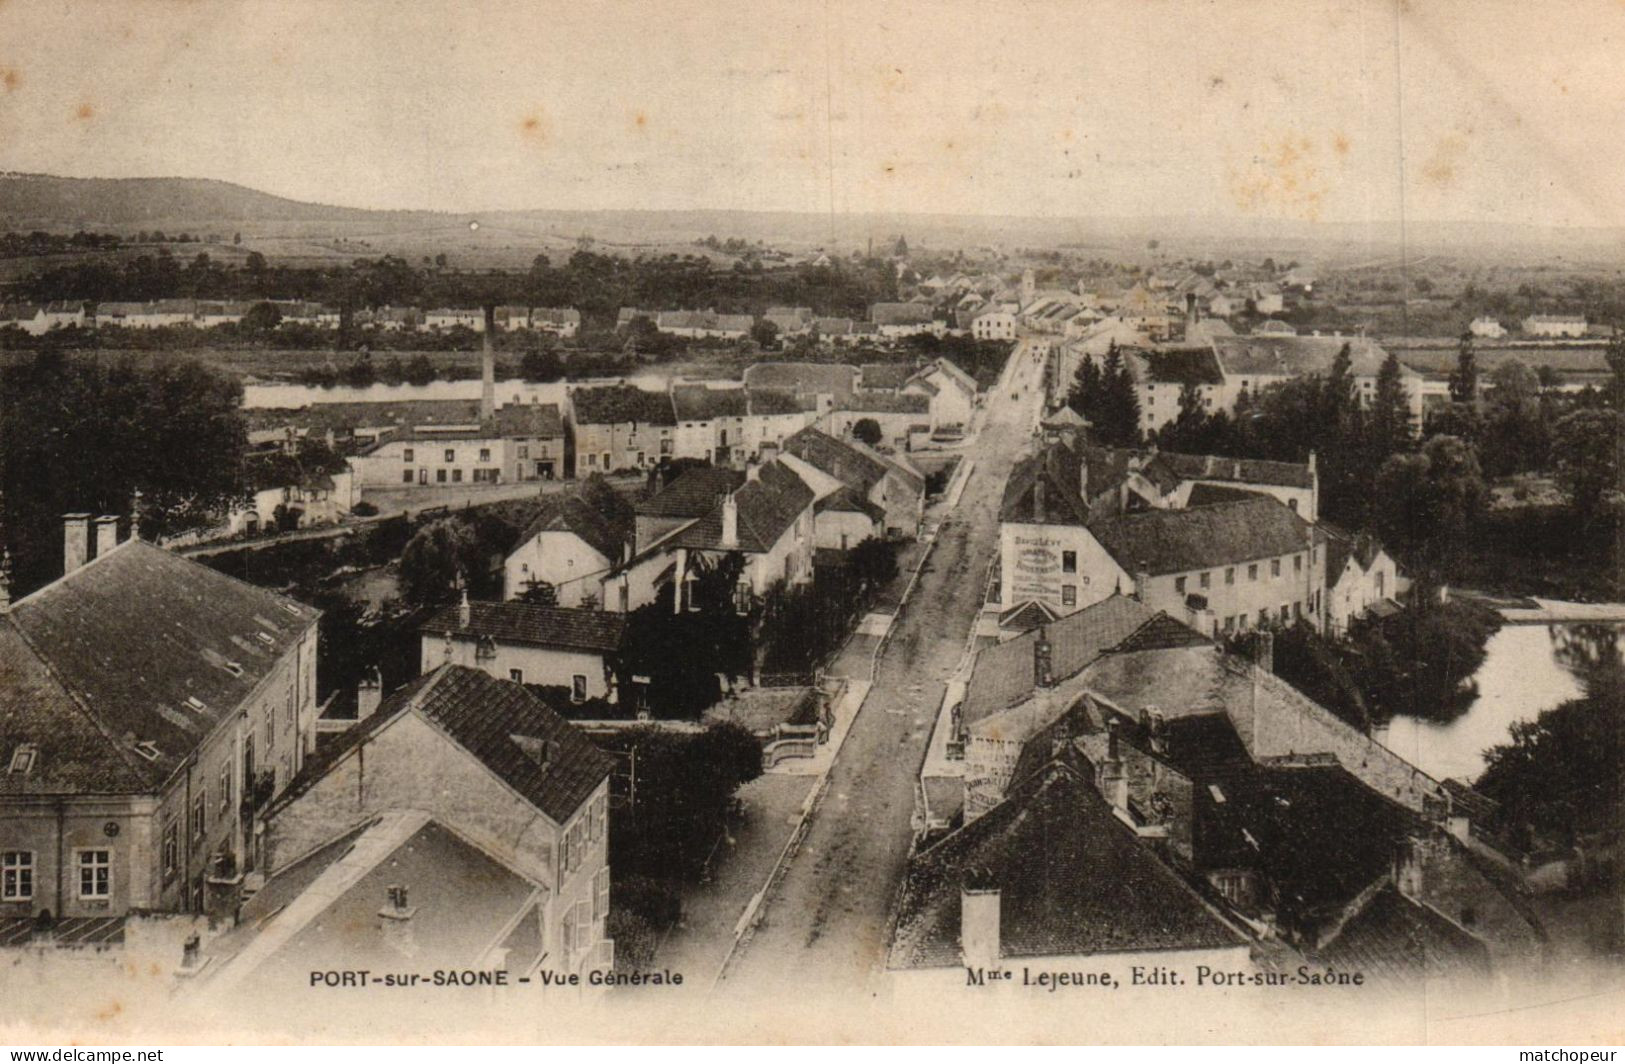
(23, 758)
(147, 749)
(195, 705)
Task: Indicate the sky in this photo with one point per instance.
(1345, 111)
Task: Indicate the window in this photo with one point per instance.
(451, 456)
(1263, 618)
(642, 458)
(1275, 567)
(95, 873)
(1252, 571)
(592, 461)
(1292, 504)
(23, 758)
(578, 688)
(1179, 584)
(457, 475)
(485, 454)
(200, 812)
(524, 451)
(406, 476)
(1069, 595)
(172, 848)
(516, 675)
(1069, 561)
(225, 787)
(440, 476)
(1297, 563)
(16, 875)
(407, 454)
(606, 460)
(1286, 613)
(1230, 624)
(1207, 580)
(600, 818)
(1230, 576)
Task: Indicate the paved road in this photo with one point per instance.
(826, 921)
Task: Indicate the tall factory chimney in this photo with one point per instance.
(488, 367)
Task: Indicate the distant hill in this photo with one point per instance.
(42, 201)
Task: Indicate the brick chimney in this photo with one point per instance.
(1113, 773)
(1043, 661)
(396, 916)
(106, 535)
(488, 368)
(75, 542)
(730, 522)
(979, 920)
(1142, 582)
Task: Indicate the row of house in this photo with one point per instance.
(1541, 326)
(204, 314)
(163, 770)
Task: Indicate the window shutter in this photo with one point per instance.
(600, 897)
(569, 932)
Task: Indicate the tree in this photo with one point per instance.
(83, 435)
(1464, 381)
(867, 430)
(1117, 412)
(1428, 500)
(418, 370)
(255, 263)
(543, 366)
(1390, 410)
(765, 333)
(437, 561)
(262, 317)
(1586, 458)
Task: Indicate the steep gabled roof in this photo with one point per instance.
(771, 402)
(694, 493)
(1072, 880)
(1003, 674)
(154, 650)
(1056, 468)
(1236, 470)
(593, 511)
(1296, 356)
(839, 459)
(526, 624)
(699, 403)
(619, 404)
(766, 506)
(867, 402)
(1177, 541)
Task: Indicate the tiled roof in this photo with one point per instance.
(839, 459)
(1196, 365)
(1397, 940)
(151, 648)
(832, 326)
(866, 402)
(1027, 616)
(767, 506)
(1239, 470)
(324, 911)
(531, 625)
(770, 402)
(694, 493)
(886, 376)
(699, 403)
(618, 404)
(806, 378)
(500, 724)
(555, 316)
(1211, 494)
(593, 511)
(1072, 881)
(845, 500)
(947, 367)
(1177, 541)
(1056, 467)
(900, 314)
(1003, 675)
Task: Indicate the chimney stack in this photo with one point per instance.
(369, 693)
(465, 612)
(753, 470)
(730, 522)
(1142, 582)
(1043, 661)
(135, 514)
(75, 541)
(979, 921)
(397, 916)
(1113, 773)
(106, 535)
(488, 368)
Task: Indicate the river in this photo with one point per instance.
(284, 396)
(1527, 668)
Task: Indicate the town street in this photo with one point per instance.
(826, 921)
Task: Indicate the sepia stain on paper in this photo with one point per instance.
(1443, 165)
(1284, 177)
(11, 78)
(533, 127)
(84, 112)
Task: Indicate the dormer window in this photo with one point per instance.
(23, 758)
(147, 749)
(195, 705)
